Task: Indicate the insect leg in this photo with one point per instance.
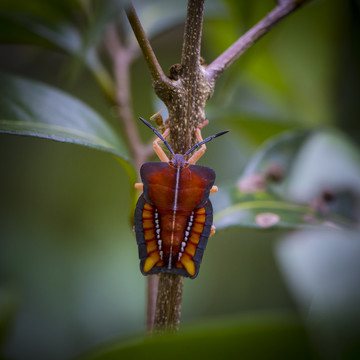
(159, 151)
(201, 151)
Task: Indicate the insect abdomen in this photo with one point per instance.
(178, 251)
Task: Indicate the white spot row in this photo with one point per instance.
(186, 237)
(158, 230)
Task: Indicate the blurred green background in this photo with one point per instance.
(69, 273)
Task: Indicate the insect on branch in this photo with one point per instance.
(185, 95)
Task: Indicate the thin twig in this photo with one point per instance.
(156, 71)
(152, 282)
(122, 58)
(222, 62)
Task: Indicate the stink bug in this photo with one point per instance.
(174, 216)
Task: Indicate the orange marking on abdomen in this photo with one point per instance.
(149, 234)
(147, 206)
(151, 246)
(200, 218)
(148, 224)
(190, 249)
(147, 214)
(198, 227)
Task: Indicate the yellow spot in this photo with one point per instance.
(200, 218)
(197, 227)
(151, 260)
(147, 214)
(147, 206)
(188, 264)
(149, 234)
(194, 238)
(200, 211)
(151, 246)
(190, 249)
(148, 224)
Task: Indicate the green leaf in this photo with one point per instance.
(248, 337)
(259, 210)
(313, 163)
(28, 107)
(20, 18)
(53, 25)
(291, 181)
(327, 159)
(254, 201)
(280, 150)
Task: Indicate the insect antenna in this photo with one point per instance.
(205, 141)
(158, 134)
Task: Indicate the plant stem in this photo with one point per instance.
(122, 58)
(222, 62)
(168, 305)
(157, 74)
(152, 282)
(187, 111)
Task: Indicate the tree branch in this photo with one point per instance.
(122, 57)
(168, 305)
(190, 57)
(156, 71)
(186, 108)
(222, 62)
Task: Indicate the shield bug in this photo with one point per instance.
(174, 216)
